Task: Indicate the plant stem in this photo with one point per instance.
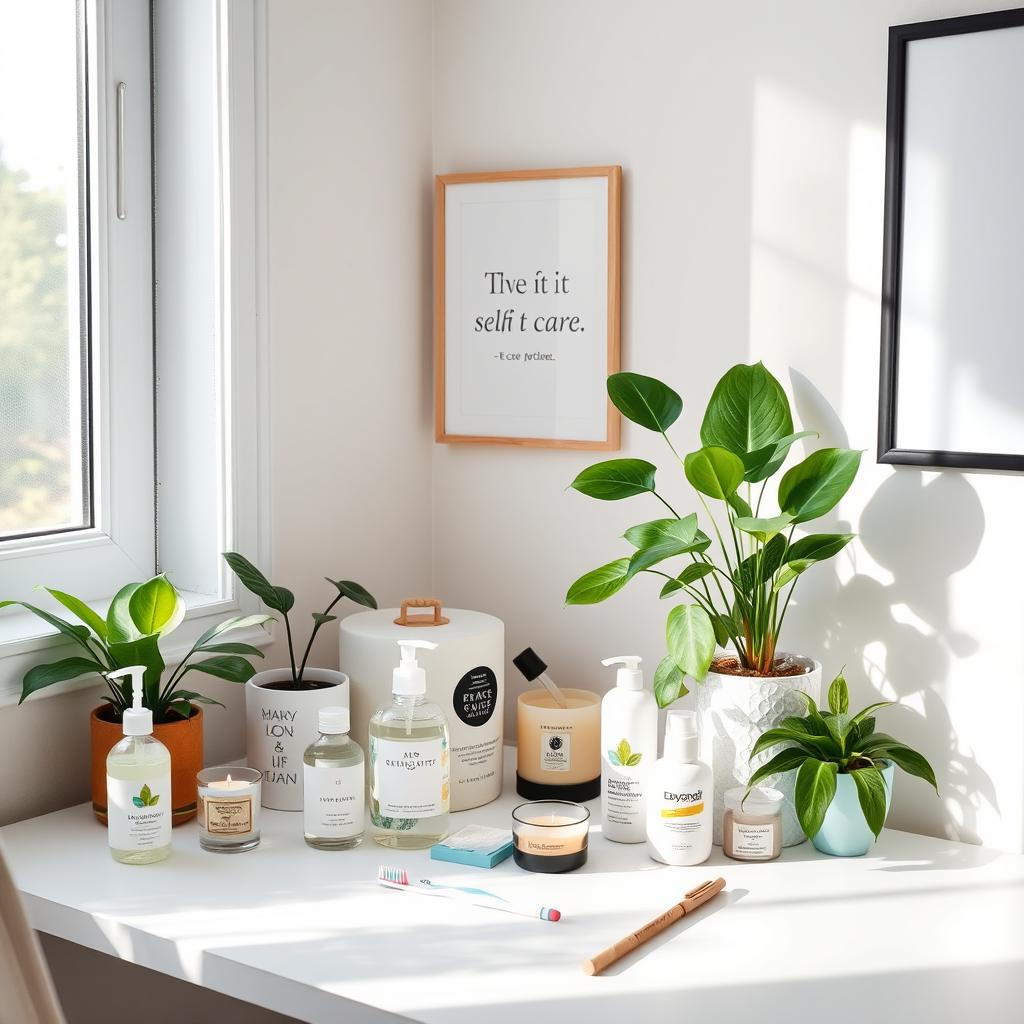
(312, 636)
(666, 504)
(291, 649)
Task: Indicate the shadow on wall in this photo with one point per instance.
(899, 636)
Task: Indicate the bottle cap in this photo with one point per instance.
(409, 680)
(681, 736)
(629, 677)
(529, 663)
(136, 720)
(333, 721)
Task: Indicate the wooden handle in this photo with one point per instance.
(436, 619)
(690, 901)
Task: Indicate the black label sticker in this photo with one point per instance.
(476, 696)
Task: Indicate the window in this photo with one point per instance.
(76, 354)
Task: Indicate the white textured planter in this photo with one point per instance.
(280, 724)
(734, 711)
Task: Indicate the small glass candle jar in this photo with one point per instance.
(752, 828)
(550, 836)
(229, 809)
(558, 751)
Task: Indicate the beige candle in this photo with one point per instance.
(752, 828)
(550, 835)
(559, 747)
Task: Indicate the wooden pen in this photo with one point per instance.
(693, 899)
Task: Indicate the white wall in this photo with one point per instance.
(751, 137)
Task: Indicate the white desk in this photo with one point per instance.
(918, 930)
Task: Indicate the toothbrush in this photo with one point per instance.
(529, 663)
(398, 878)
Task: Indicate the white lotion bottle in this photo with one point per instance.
(629, 748)
(681, 796)
(138, 785)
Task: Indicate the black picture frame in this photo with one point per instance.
(892, 245)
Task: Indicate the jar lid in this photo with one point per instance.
(760, 801)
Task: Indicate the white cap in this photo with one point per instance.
(681, 736)
(409, 680)
(136, 720)
(332, 721)
(629, 677)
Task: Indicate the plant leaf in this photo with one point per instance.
(224, 666)
(41, 676)
(747, 411)
(871, 794)
(322, 618)
(784, 761)
(77, 633)
(691, 639)
(819, 546)
(255, 582)
(634, 760)
(839, 696)
(684, 531)
(739, 505)
(789, 572)
(79, 608)
(623, 750)
(761, 528)
(766, 461)
(143, 651)
(714, 471)
(751, 575)
(646, 557)
(155, 607)
(153, 801)
(354, 592)
(822, 746)
(191, 696)
(138, 801)
(815, 788)
(644, 400)
(232, 648)
(613, 758)
(239, 622)
(599, 584)
(145, 793)
(669, 684)
(615, 479)
(815, 486)
(862, 716)
(692, 573)
(121, 626)
(860, 732)
(911, 762)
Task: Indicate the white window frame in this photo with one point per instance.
(222, 470)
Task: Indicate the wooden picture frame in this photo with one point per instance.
(542, 189)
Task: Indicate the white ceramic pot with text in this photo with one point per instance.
(734, 710)
(281, 722)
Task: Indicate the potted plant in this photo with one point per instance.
(843, 769)
(139, 616)
(281, 705)
(739, 595)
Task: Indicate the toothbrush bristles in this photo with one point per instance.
(390, 874)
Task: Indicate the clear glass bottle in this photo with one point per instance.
(333, 785)
(409, 766)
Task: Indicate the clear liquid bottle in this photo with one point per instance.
(333, 785)
(138, 785)
(409, 768)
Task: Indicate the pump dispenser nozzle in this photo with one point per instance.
(629, 677)
(136, 720)
(409, 679)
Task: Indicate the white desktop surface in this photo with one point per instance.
(919, 929)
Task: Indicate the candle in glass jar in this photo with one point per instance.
(558, 751)
(229, 809)
(752, 826)
(550, 835)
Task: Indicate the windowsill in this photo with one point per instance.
(23, 635)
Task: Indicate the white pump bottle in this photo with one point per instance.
(138, 784)
(629, 748)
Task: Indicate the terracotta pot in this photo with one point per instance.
(184, 739)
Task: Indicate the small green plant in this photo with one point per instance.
(146, 798)
(138, 617)
(281, 600)
(623, 755)
(827, 744)
(741, 596)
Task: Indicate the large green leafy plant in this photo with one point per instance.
(139, 616)
(824, 745)
(282, 600)
(740, 596)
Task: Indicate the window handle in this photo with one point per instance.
(121, 212)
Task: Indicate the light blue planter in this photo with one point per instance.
(844, 832)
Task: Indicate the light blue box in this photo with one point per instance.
(475, 845)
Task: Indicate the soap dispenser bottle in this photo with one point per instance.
(138, 784)
(409, 761)
(680, 802)
(629, 748)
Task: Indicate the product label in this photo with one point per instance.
(228, 816)
(678, 824)
(476, 696)
(139, 812)
(752, 840)
(555, 751)
(333, 801)
(410, 777)
(623, 784)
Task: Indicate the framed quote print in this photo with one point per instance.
(526, 307)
